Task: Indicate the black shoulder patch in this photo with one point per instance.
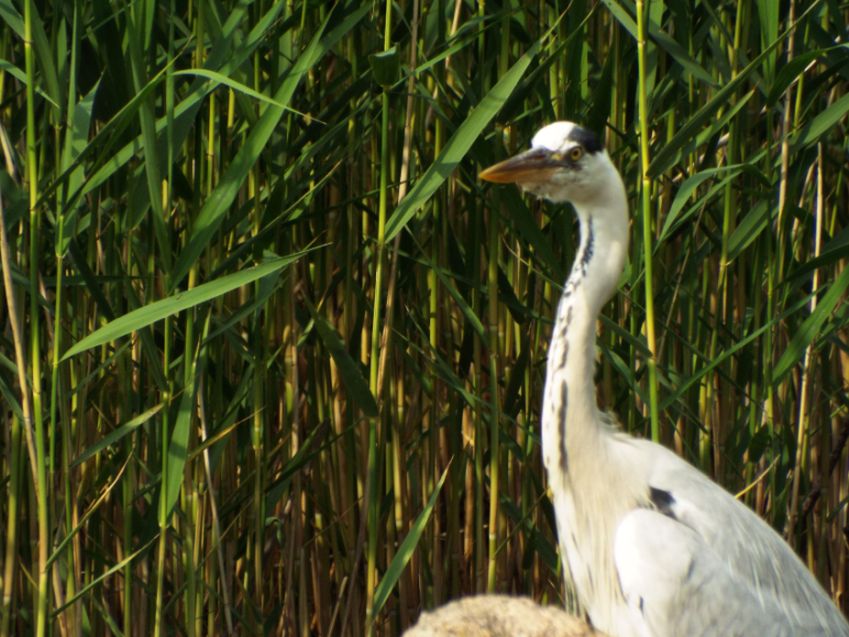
(663, 501)
(586, 138)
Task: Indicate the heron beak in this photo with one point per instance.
(534, 165)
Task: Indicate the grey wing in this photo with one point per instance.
(676, 584)
(701, 563)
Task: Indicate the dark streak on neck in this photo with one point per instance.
(579, 271)
(589, 246)
(564, 401)
(562, 335)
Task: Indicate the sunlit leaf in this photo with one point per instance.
(158, 310)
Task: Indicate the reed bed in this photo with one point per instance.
(271, 357)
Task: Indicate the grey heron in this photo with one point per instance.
(654, 547)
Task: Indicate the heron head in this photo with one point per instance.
(566, 162)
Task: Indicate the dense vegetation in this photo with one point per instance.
(271, 356)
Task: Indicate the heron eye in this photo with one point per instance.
(576, 153)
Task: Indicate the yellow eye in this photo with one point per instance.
(576, 153)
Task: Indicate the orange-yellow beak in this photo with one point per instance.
(534, 165)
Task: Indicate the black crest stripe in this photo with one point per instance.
(586, 138)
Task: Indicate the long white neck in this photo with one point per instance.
(570, 413)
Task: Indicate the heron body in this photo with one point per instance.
(654, 547)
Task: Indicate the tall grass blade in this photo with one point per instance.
(405, 551)
(158, 310)
(811, 326)
(459, 143)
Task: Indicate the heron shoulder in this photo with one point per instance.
(675, 583)
(691, 537)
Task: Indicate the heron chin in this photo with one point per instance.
(653, 546)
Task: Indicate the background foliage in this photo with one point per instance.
(272, 357)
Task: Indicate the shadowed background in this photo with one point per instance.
(283, 353)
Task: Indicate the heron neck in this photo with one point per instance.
(571, 418)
